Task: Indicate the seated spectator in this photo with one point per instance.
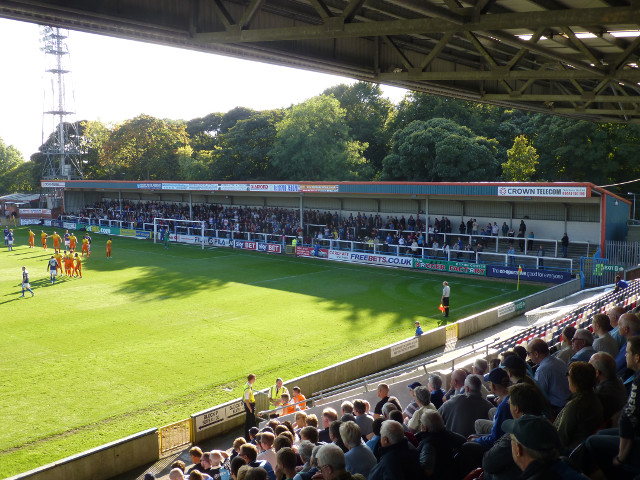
(628, 326)
(309, 434)
(286, 460)
(358, 458)
(250, 454)
(300, 419)
(423, 399)
(176, 474)
(583, 413)
(268, 453)
(328, 415)
(398, 459)
(522, 353)
(435, 389)
(551, 374)
(609, 387)
(535, 447)
(461, 412)
(582, 346)
(410, 409)
(387, 408)
(456, 386)
(312, 420)
(305, 449)
(235, 465)
(374, 443)
(497, 462)
(346, 407)
(307, 474)
(256, 473)
(195, 453)
(566, 351)
(499, 386)
(437, 447)
(331, 463)
(516, 367)
(614, 315)
(285, 439)
(217, 471)
(237, 443)
(616, 447)
(334, 435)
(363, 419)
(179, 464)
(605, 342)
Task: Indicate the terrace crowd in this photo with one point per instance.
(402, 235)
(536, 412)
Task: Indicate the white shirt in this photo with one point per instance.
(446, 290)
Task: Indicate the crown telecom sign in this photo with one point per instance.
(546, 191)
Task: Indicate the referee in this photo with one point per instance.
(446, 291)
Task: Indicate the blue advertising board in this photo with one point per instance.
(529, 274)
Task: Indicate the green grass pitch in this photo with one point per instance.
(151, 336)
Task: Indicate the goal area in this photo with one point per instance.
(179, 231)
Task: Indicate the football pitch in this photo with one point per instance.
(153, 335)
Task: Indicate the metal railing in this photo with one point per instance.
(175, 436)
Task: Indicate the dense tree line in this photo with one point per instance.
(350, 132)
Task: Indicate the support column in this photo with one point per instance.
(190, 208)
(301, 207)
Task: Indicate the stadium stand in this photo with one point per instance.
(460, 456)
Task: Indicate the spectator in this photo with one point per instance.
(423, 399)
(176, 474)
(540, 256)
(457, 383)
(564, 242)
(582, 346)
(299, 398)
(374, 443)
(310, 434)
(235, 465)
(609, 388)
(286, 460)
(614, 447)
(334, 435)
(305, 450)
(505, 229)
(398, 459)
(566, 352)
(551, 374)
(461, 412)
(535, 447)
(346, 407)
(195, 453)
(605, 342)
(179, 464)
(437, 446)
(628, 326)
(583, 413)
(418, 329)
(358, 458)
(410, 409)
(300, 419)
(363, 419)
(620, 284)
(328, 415)
(250, 454)
(614, 316)
(268, 453)
(499, 386)
(383, 395)
(331, 463)
(436, 391)
(257, 473)
(497, 462)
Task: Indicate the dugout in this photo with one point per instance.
(585, 211)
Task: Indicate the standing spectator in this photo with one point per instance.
(505, 229)
(530, 242)
(446, 292)
(299, 398)
(511, 253)
(551, 374)
(461, 412)
(540, 257)
(398, 459)
(605, 342)
(275, 395)
(475, 227)
(418, 329)
(522, 228)
(564, 242)
(495, 229)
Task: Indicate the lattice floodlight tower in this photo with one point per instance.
(61, 149)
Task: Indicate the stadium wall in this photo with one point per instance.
(103, 462)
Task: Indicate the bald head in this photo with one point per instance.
(629, 325)
(614, 315)
(457, 378)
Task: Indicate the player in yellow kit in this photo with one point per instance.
(43, 236)
(56, 241)
(58, 258)
(68, 261)
(109, 248)
(85, 246)
(77, 269)
(32, 239)
(72, 242)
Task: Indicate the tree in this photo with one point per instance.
(440, 150)
(245, 151)
(144, 148)
(366, 113)
(20, 178)
(523, 158)
(312, 143)
(10, 157)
